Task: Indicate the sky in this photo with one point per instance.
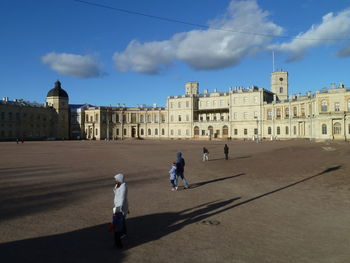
(106, 52)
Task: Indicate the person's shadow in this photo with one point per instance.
(195, 185)
(95, 244)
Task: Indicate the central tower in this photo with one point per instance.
(279, 84)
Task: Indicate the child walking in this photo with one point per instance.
(172, 177)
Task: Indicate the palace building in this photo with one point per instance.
(238, 113)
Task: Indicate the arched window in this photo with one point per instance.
(225, 130)
(141, 118)
(269, 130)
(149, 132)
(337, 128)
(324, 129)
(142, 132)
(286, 110)
(287, 130)
(149, 118)
(211, 130)
(163, 132)
(324, 106)
(156, 132)
(196, 131)
(278, 130)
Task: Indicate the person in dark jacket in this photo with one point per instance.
(205, 154)
(226, 151)
(180, 169)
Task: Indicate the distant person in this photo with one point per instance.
(172, 173)
(205, 154)
(22, 140)
(120, 210)
(226, 151)
(180, 169)
(17, 140)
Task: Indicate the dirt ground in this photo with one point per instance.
(280, 201)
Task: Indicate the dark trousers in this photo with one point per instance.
(118, 234)
(173, 183)
(226, 156)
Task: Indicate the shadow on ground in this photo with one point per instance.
(95, 244)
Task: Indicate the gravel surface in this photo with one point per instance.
(279, 201)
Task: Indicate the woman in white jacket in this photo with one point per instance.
(121, 208)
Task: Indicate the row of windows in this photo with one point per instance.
(179, 104)
(245, 100)
(17, 116)
(179, 118)
(245, 115)
(324, 106)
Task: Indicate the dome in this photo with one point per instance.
(57, 91)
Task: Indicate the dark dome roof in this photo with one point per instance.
(57, 91)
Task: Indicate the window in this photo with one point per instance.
(324, 106)
(255, 131)
(179, 132)
(142, 132)
(225, 130)
(295, 130)
(245, 131)
(337, 128)
(324, 129)
(245, 115)
(337, 106)
(278, 113)
(163, 132)
(156, 132)
(149, 132)
(245, 100)
(286, 110)
(149, 118)
(187, 117)
(179, 117)
(235, 131)
(141, 118)
(269, 114)
(125, 131)
(287, 130)
(302, 110)
(295, 112)
(269, 130)
(278, 130)
(255, 114)
(203, 132)
(171, 132)
(156, 118)
(281, 90)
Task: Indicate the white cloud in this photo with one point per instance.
(332, 27)
(205, 49)
(73, 65)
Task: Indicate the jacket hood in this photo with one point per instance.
(119, 178)
(178, 155)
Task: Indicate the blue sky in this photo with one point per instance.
(103, 56)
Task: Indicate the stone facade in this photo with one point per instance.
(20, 119)
(240, 113)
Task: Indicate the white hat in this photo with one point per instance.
(119, 178)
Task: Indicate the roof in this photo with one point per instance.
(57, 91)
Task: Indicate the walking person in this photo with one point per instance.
(172, 177)
(121, 208)
(180, 169)
(226, 151)
(205, 154)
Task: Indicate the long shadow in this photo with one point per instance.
(239, 157)
(328, 170)
(195, 185)
(94, 244)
